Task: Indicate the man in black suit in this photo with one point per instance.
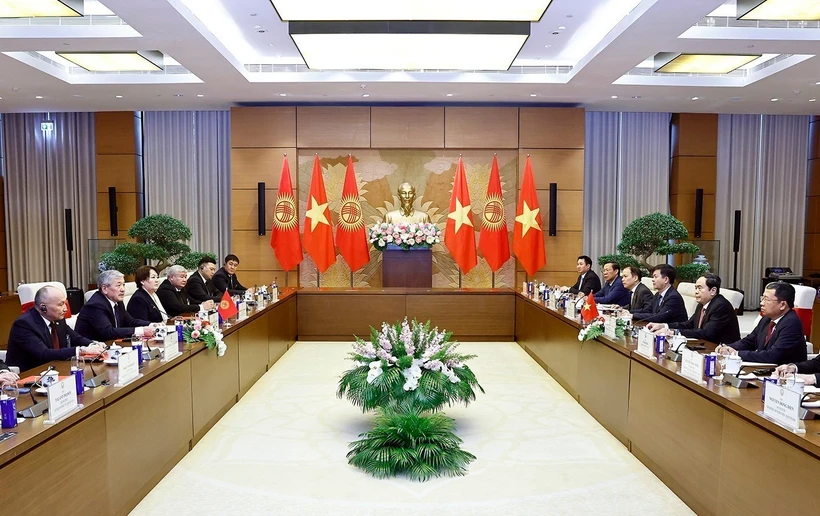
(104, 316)
(172, 295)
(41, 335)
(588, 281)
(199, 287)
(778, 337)
(640, 297)
(613, 292)
(6, 376)
(714, 319)
(225, 278)
(667, 306)
(808, 371)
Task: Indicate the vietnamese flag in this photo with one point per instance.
(590, 309)
(318, 233)
(284, 238)
(528, 237)
(351, 236)
(227, 308)
(493, 240)
(459, 235)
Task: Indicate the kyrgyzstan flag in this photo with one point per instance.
(284, 238)
(318, 233)
(227, 308)
(528, 238)
(590, 309)
(351, 236)
(493, 240)
(459, 235)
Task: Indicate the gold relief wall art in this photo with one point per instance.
(378, 175)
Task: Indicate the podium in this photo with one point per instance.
(407, 267)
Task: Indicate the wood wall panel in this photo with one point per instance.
(121, 171)
(345, 315)
(683, 206)
(694, 166)
(562, 166)
(118, 132)
(814, 177)
(489, 314)
(811, 243)
(692, 172)
(570, 210)
(254, 251)
(252, 166)
(333, 127)
(245, 212)
(551, 128)
(695, 134)
(480, 128)
(129, 210)
(407, 127)
(269, 126)
(548, 277)
(250, 277)
(562, 252)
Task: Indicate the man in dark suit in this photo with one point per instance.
(714, 319)
(778, 337)
(640, 297)
(667, 306)
(613, 292)
(588, 281)
(104, 316)
(41, 335)
(808, 371)
(199, 287)
(172, 295)
(225, 278)
(6, 376)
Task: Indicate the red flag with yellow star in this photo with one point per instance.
(528, 237)
(351, 236)
(318, 233)
(590, 309)
(284, 234)
(459, 234)
(493, 241)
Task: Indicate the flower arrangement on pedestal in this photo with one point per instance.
(596, 328)
(407, 373)
(404, 235)
(201, 330)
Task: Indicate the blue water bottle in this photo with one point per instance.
(77, 366)
(179, 327)
(8, 406)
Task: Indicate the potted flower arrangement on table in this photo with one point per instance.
(201, 330)
(404, 235)
(596, 328)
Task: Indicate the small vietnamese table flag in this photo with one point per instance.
(528, 237)
(318, 232)
(284, 238)
(227, 308)
(459, 234)
(351, 236)
(493, 241)
(590, 309)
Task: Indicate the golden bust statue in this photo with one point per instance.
(406, 213)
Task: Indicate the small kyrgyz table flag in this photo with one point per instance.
(227, 308)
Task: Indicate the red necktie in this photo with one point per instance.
(55, 342)
(769, 334)
(700, 321)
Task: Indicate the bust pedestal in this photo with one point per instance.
(407, 267)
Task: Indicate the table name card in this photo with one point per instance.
(782, 406)
(610, 323)
(170, 348)
(570, 311)
(551, 302)
(128, 368)
(691, 366)
(213, 318)
(62, 399)
(646, 343)
(243, 311)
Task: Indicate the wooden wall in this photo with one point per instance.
(694, 165)
(811, 263)
(554, 137)
(4, 271)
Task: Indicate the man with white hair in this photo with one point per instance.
(172, 294)
(41, 335)
(104, 316)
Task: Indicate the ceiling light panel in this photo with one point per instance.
(778, 10)
(669, 62)
(409, 45)
(141, 61)
(40, 8)
(423, 10)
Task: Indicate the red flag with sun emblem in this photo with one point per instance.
(227, 308)
(493, 240)
(318, 232)
(528, 237)
(284, 238)
(459, 234)
(351, 236)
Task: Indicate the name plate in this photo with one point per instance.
(782, 405)
(62, 399)
(128, 368)
(551, 302)
(646, 343)
(170, 348)
(213, 318)
(691, 366)
(570, 311)
(610, 323)
(243, 311)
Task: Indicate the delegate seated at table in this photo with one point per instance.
(104, 316)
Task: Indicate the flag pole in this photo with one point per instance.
(493, 284)
(351, 279)
(318, 278)
(459, 277)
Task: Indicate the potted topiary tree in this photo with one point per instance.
(159, 238)
(655, 233)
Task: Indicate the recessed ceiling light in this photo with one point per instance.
(695, 98)
(78, 96)
(1, 98)
(38, 96)
(324, 10)
(547, 46)
(561, 27)
(449, 94)
(257, 26)
(283, 94)
(178, 95)
(365, 95)
(671, 62)
(774, 100)
(785, 10)
(200, 95)
(812, 100)
(41, 8)
(614, 97)
(817, 83)
(533, 95)
(118, 96)
(271, 45)
(636, 96)
(140, 61)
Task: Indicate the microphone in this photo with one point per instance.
(96, 380)
(37, 409)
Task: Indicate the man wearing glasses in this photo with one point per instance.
(778, 337)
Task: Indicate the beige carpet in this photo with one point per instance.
(281, 450)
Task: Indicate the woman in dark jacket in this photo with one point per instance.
(145, 304)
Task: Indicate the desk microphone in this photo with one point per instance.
(96, 380)
(38, 408)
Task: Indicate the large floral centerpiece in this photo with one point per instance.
(404, 235)
(201, 330)
(596, 328)
(407, 372)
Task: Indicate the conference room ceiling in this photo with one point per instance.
(598, 54)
